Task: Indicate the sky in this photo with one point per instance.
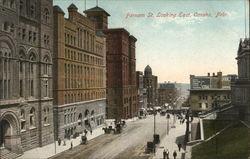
(182, 42)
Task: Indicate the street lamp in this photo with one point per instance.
(187, 126)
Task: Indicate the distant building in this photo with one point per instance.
(209, 92)
(142, 93)
(121, 73)
(241, 85)
(79, 73)
(167, 94)
(211, 81)
(150, 83)
(26, 51)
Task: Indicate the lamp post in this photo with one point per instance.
(187, 126)
(154, 120)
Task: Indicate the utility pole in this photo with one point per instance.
(154, 120)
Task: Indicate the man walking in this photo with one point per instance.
(175, 154)
(164, 154)
(179, 146)
(167, 152)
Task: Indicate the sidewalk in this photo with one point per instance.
(171, 141)
(49, 150)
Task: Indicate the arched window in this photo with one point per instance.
(32, 117)
(46, 116)
(6, 26)
(46, 15)
(32, 11)
(23, 121)
(5, 70)
(46, 65)
(21, 6)
(12, 4)
(5, 3)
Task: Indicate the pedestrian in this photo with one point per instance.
(174, 154)
(64, 142)
(59, 141)
(85, 132)
(167, 152)
(164, 154)
(71, 145)
(91, 131)
(179, 146)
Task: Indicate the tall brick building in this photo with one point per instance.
(121, 73)
(26, 50)
(79, 73)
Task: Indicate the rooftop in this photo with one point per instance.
(96, 9)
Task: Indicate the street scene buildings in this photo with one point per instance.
(86, 79)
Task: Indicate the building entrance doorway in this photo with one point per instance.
(5, 132)
(10, 133)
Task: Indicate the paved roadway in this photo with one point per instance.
(130, 144)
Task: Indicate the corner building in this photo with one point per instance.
(26, 50)
(79, 74)
(241, 86)
(121, 73)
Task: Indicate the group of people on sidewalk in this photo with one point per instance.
(83, 139)
(166, 152)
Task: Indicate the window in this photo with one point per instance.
(31, 88)
(12, 4)
(32, 117)
(5, 2)
(45, 88)
(46, 15)
(21, 88)
(34, 37)
(32, 11)
(46, 115)
(24, 34)
(6, 26)
(21, 6)
(12, 28)
(1, 89)
(200, 105)
(22, 119)
(30, 36)
(65, 119)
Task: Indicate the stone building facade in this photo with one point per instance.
(121, 73)
(150, 83)
(79, 73)
(241, 86)
(26, 50)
